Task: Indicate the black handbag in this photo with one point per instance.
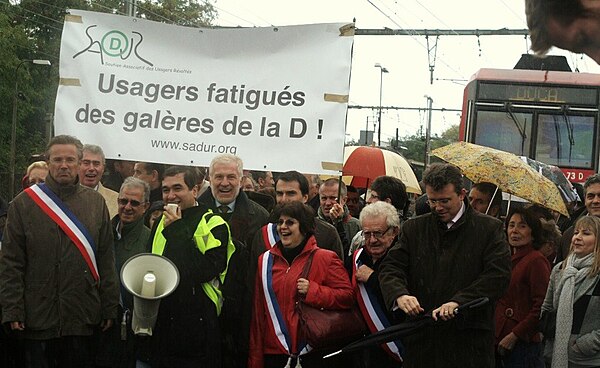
(547, 324)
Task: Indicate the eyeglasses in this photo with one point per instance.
(376, 234)
(287, 222)
(442, 201)
(132, 202)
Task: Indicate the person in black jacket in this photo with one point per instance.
(187, 332)
(444, 259)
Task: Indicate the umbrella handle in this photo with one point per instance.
(475, 303)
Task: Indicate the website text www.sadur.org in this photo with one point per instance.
(192, 146)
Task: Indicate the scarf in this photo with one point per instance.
(574, 281)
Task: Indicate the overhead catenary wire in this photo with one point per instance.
(451, 29)
(12, 8)
(413, 36)
(236, 16)
(519, 17)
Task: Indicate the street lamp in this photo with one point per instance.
(382, 70)
(13, 136)
(428, 132)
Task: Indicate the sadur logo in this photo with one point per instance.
(114, 44)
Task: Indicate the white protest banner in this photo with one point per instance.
(147, 91)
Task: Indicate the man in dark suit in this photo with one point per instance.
(245, 217)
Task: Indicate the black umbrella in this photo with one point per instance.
(402, 329)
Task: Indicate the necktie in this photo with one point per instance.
(223, 208)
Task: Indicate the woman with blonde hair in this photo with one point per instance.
(574, 295)
(36, 174)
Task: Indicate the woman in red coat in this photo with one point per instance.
(518, 340)
(274, 340)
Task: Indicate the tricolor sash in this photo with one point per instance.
(270, 235)
(52, 206)
(372, 312)
(276, 318)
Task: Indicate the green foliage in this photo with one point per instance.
(185, 13)
(415, 144)
(31, 29)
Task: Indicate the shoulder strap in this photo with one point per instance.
(307, 265)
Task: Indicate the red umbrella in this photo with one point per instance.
(365, 164)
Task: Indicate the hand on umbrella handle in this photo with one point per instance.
(446, 311)
(409, 305)
(475, 303)
(457, 309)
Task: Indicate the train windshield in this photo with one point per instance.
(565, 140)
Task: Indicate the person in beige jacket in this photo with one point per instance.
(91, 169)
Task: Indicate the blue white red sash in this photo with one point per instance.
(52, 206)
(276, 318)
(270, 235)
(372, 312)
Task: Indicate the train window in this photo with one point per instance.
(565, 140)
(504, 131)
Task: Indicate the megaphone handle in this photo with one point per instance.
(124, 325)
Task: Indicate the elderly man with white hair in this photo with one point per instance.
(245, 218)
(381, 226)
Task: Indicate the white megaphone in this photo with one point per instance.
(149, 278)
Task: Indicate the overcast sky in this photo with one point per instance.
(458, 57)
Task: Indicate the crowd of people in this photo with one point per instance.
(252, 248)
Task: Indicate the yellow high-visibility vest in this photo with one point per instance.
(204, 241)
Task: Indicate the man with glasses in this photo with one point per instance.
(116, 346)
(57, 272)
(444, 259)
(386, 189)
(381, 226)
(292, 186)
(91, 170)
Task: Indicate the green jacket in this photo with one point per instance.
(133, 240)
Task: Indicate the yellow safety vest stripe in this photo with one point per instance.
(204, 241)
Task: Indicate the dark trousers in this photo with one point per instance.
(523, 355)
(12, 353)
(62, 352)
(310, 360)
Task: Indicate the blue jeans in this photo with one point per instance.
(523, 355)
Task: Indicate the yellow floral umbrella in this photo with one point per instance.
(506, 170)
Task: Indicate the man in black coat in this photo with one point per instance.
(187, 332)
(444, 259)
(245, 217)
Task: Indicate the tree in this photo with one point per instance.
(185, 13)
(415, 144)
(451, 134)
